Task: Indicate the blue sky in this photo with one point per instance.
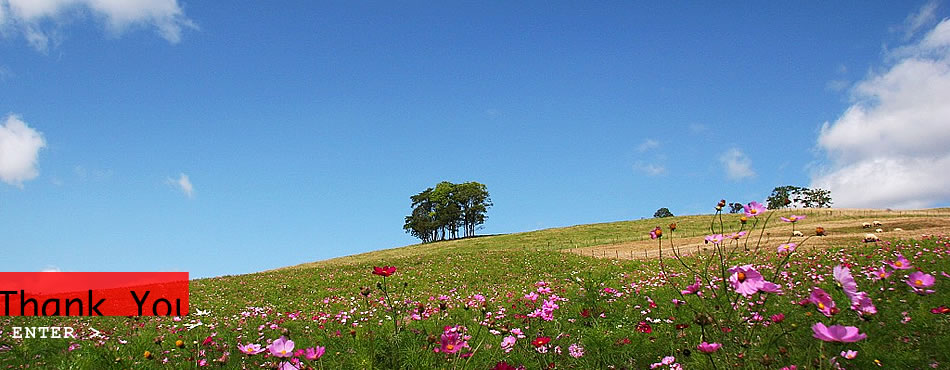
(183, 135)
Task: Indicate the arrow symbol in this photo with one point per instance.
(95, 333)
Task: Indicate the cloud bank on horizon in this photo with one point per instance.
(40, 21)
(889, 148)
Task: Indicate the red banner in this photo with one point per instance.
(93, 293)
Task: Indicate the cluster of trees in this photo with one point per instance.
(439, 213)
(662, 212)
(796, 196)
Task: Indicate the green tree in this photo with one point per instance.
(663, 212)
(816, 198)
(735, 207)
(783, 196)
(439, 213)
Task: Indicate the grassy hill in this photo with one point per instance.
(477, 302)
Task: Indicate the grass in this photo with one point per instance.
(482, 284)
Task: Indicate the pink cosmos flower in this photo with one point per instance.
(282, 347)
(849, 354)
(453, 339)
(314, 353)
(920, 281)
(286, 365)
(250, 349)
(384, 271)
(787, 248)
(777, 318)
(862, 303)
(845, 280)
(508, 343)
(715, 239)
(575, 350)
(736, 236)
(770, 287)
(901, 263)
(792, 218)
(656, 233)
(837, 333)
(705, 347)
(753, 209)
(824, 302)
(879, 273)
(692, 288)
(746, 280)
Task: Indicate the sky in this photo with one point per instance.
(173, 135)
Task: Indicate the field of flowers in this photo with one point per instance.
(746, 304)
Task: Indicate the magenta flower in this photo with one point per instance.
(656, 233)
(736, 236)
(575, 350)
(792, 218)
(692, 288)
(746, 280)
(314, 353)
(920, 281)
(901, 263)
(770, 287)
(787, 248)
(282, 347)
(508, 343)
(862, 303)
(753, 209)
(879, 273)
(824, 302)
(777, 318)
(837, 333)
(849, 354)
(453, 339)
(705, 347)
(845, 280)
(250, 348)
(715, 239)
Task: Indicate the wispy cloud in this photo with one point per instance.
(737, 165)
(19, 151)
(889, 148)
(649, 169)
(647, 145)
(40, 21)
(914, 22)
(183, 183)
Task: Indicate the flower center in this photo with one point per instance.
(821, 306)
(741, 276)
(919, 282)
(753, 211)
(449, 347)
(883, 275)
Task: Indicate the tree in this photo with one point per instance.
(785, 196)
(782, 196)
(663, 212)
(817, 198)
(735, 207)
(439, 213)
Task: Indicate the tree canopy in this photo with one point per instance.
(663, 212)
(439, 213)
(785, 196)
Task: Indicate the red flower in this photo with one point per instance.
(940, 310)
(384, 271)
(207, 341)
(644, 327)
(540, 341)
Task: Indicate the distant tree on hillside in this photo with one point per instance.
(786, 196)
(663, 212)
(735, 207)
(439, 213)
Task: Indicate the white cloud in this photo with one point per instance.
(889, 148)
(183, 183)
(19, 151)
(51, 268)
(647, 145)
(38, 19)
(649, 169)
(738, 166)
(914, 22)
